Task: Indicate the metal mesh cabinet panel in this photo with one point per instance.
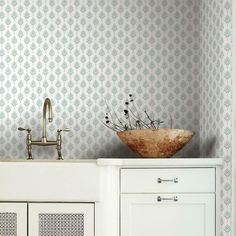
(8, 224)
(61, 224)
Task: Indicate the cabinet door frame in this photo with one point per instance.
(61, 208)
(127, 200)
(20, 209)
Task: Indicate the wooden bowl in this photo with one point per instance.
(156, 143)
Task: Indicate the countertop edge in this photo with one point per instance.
(151, 162)
(131, 162)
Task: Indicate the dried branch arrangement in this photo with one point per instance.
(132, 119)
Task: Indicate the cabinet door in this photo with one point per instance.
(13, 219)
(59, 219)
(168, 214)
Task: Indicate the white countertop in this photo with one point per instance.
(134, 162)
(48, 160)
(160, 162)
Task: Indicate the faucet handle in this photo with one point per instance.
(59, 142)
(23, 129)
(64, 130)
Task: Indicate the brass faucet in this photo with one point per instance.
(47, 108)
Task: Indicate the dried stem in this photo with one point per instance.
(132, 119)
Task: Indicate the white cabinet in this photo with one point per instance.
(111, 197)
(182, 215)
(61, 219)
(168, 202)
(46, 219)
(13, 219)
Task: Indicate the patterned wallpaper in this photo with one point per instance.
(216, 93)
(80, 52)
(211, 93)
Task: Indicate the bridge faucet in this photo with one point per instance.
(47, 108)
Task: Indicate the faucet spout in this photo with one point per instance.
(47, 108)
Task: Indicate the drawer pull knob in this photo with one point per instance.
(175, 180)
(175, 199)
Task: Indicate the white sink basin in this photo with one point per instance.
(49, 180)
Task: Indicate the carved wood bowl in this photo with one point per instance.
(156, 143)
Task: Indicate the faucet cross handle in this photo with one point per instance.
(28, 142)
(64, 130)
(59, 142)
(24, 129)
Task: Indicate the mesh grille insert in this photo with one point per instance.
(61, 224)
(8, 224)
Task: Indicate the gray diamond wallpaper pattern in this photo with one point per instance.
(216, 94)
(80, 52)
(174, 56)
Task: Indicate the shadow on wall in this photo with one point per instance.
(209, 146)
(190, 150)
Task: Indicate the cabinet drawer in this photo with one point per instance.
(189, 215)
(168, 180)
